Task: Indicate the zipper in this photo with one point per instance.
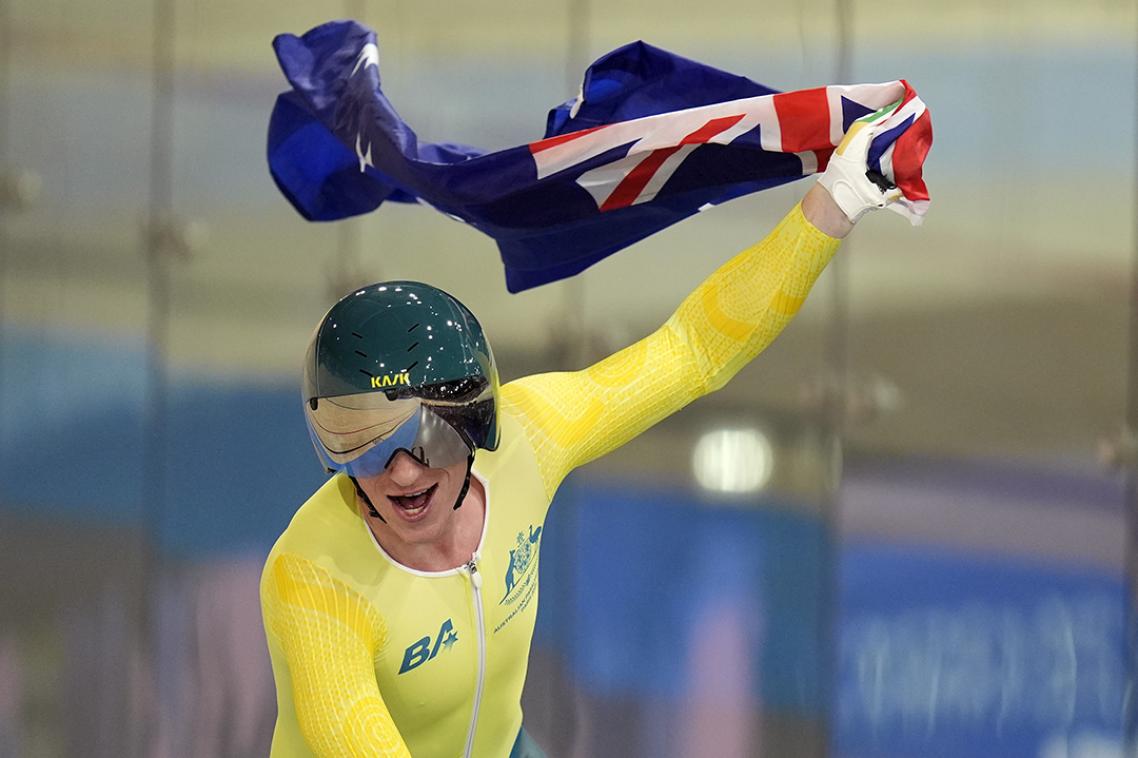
(476, 585)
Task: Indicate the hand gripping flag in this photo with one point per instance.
(652, 139)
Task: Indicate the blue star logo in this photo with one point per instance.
(450, 639)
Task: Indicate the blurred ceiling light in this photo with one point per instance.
(19, 189)
(733, 460)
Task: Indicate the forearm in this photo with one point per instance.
(742, 307)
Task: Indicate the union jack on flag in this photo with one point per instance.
(652, 139)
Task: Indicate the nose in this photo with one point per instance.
(404, 469)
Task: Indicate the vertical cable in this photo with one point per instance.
(834, 424)
(576, 50)
(5, 68)
(354, 9)
(5, 65)
(345, 271)
(156, 409)
(1130, 706)
(566, 719)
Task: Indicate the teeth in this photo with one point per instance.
(406, 502)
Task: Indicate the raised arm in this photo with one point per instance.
(329, 636)
(572, 418)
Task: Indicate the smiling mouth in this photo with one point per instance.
(414, 504)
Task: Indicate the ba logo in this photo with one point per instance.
(423, 651)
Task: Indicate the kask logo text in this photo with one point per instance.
(390, 380)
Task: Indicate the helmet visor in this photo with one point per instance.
(361, 434)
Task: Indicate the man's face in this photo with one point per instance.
(416, 501)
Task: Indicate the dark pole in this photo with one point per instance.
(1130, 712)
(838, 382)
(157, 253)
(344, 274)
(5, 66)
(565, 721)
(576, 50)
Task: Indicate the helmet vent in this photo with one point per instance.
(357, 334)
(412, 347)
(413, 365)
(362, 355)
(367, 373)
(416, 326)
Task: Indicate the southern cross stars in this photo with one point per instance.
(369, 56)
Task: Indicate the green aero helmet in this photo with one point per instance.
(399, 367)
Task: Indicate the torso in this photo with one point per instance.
(427, 667)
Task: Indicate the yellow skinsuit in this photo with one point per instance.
(375, 659)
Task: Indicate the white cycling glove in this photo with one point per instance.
(854, 188)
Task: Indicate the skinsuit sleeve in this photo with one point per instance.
(574, 417)
(330, 636)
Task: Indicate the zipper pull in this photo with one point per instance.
(475, 577)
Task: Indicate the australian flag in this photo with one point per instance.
(652, 139)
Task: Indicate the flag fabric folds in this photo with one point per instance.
(652, 139)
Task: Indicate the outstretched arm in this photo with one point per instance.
(572, 418)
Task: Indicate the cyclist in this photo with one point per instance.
(400, 602)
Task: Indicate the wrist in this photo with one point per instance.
(824, 214)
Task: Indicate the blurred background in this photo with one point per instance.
(905, 530)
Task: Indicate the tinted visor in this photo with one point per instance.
(362, 433)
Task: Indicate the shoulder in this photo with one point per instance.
(515, 395)
(328, 531)
(514, 441)
(304, 599)
(513, 469)
(537, 401)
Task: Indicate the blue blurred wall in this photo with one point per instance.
(941, 652)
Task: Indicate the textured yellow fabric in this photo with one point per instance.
(572, 418)
(330, 636)
(372, 658)
(419, 654)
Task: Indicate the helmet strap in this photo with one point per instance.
(466, 482)
(367, 501)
